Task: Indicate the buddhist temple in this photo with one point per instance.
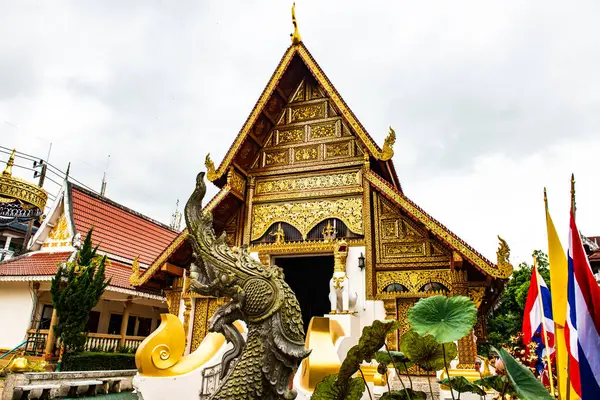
(305, 187)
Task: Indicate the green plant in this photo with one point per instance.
(499, 383)
(76, 289)
(427, 353)
(404, 394)
(445, 318)
(462, 385)
(88, 361)
(342, 386)
(525, 384)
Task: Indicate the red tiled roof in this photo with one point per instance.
(118, 230)
(42, 263)
(45, 263)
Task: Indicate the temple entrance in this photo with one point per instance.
(309, 279)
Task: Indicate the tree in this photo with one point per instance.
(506, 319)
(76, 289)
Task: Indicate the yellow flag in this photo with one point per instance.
(558, 288)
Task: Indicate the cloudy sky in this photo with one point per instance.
(491, 100)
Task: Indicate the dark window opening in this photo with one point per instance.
(114, 324)
(45, 317)
(130, 326)
(433, 286)
(309, 278)
(93, 322)
(144, 326)
(395, 288)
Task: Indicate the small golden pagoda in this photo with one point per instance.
(302, 174)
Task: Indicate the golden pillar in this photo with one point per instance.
(51, 340)
(125, 322)
(248, 222)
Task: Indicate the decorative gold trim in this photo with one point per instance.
(211, 174)
(413, 280)
(437, 228)
(266, 94)
(16, 189)
(308, 247)
(307, 214)
(388, 152)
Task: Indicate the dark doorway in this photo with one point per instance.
(309, 279)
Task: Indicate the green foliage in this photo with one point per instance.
(506, 319)
(527, 386)
(462, 385)
(76, 289)
(404, 394)
(425, 351)
(445, 318)
(88, 361)
(499, 383)
(341, 386)
(400, 360)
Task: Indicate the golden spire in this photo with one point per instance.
(9, 164)
(296, 39)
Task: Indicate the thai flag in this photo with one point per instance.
(538, 309)
(583, 321)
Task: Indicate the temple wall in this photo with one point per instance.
(16, 306)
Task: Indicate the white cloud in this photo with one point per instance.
(490, 100)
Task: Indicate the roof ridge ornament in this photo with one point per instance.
(211, 173)
(388, 152)
(296, 39)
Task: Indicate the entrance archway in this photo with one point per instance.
(309, 279)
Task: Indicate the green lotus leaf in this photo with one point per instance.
(373, 337)
(426, 352)
(447, 319)
(328, 390)
(527, 386)
(462, 385)
(400, 360)
(404, 394)
(498, 383)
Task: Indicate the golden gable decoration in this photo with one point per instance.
(305, 215)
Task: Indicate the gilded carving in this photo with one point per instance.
(305, 215)
(173, 298)
(304, 113)
(276, 157)
(307, 153)
(236, 181)
(338, 180)
(414, 280)
(334, 150)
(322, 130)
(291, 135)
(476, 294)
(400, 241)
(503, 257)
(200, 327)
(267, 249)
(437, 228)
(299, 94)
(59, 235)
(187, 303)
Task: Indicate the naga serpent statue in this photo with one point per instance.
(262, 366)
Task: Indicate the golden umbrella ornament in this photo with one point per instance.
(20, 201)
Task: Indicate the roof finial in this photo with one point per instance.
(388, 151)
(296, 39)
(10, 163)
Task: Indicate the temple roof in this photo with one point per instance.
(118, 230)
(273, 99)
(438, 229)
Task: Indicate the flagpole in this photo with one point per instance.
(573, 207)
(549, 363)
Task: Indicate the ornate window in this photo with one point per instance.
(395, 288)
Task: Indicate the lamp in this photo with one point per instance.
(361, 261)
